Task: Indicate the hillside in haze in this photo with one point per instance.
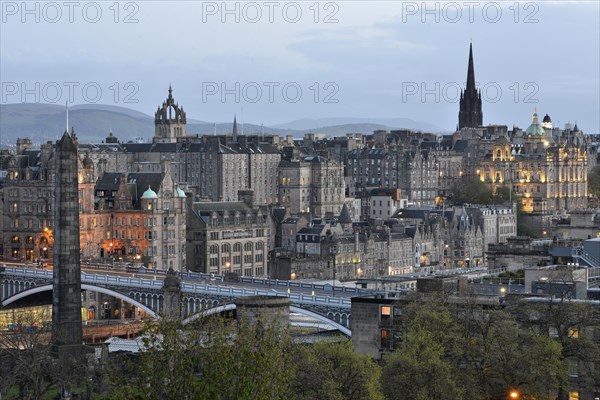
(43, 122)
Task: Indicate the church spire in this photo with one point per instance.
(470, 71)
(234, 131)
(470, 114)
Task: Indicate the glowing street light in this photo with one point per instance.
(513, 394)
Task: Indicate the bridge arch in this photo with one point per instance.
(294, 309)
(84, 286)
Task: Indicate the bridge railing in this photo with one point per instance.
(343, 302)
(91, 278)
(122, 280)
(28, 272)
(303, 285)
(145, 283)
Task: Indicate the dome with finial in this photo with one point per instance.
(547, 122)
(149, 194)
(535, 129)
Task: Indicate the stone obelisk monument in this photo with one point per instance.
(67, 337)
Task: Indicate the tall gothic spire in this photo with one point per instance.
(234, 132)
(470, 71)
(470, 114)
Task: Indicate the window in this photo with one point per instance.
(573, 332)
(385, 341)
(386, 312)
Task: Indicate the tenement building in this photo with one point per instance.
(311, 184)
(232, 236)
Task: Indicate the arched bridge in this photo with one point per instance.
(198, 295)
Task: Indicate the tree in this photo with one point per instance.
(594, 181)
(211, 359)
(420, 368)
(333, 371)
(465, 349)
(26, 359)
(475, 191)
(252, 362)
(572, 325)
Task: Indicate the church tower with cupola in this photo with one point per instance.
(169, 121)
(470, 114)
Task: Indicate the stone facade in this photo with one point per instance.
(136, 218)
(313, 185)
(228, 237)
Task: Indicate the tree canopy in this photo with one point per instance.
(473, 190)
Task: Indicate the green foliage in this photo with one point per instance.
(252, 364)
(216, 359)
(423, 356)
(419, 370)
(333, 371)
(463, 350)
(594, 181)
(473, 190)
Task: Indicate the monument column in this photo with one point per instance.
(67, 337)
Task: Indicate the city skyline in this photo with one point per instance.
(377, 61)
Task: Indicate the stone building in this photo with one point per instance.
(311, 185)
(212, 167)
(346, 251)
(415, 171)
(169, 121)
(232, 236)
(547, 174)
(383, 203)
(136, 217)
(28, 206)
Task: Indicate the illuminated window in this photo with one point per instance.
(573, 395)
(573, 332)
(385, 341)
(386, 312)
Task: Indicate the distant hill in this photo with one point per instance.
(399, 123)
(93, 122)
(43, 122)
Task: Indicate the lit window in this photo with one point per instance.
(386, 311)
(573, 332)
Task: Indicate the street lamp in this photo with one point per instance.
(513, 394)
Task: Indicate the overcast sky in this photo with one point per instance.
(375, 59)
